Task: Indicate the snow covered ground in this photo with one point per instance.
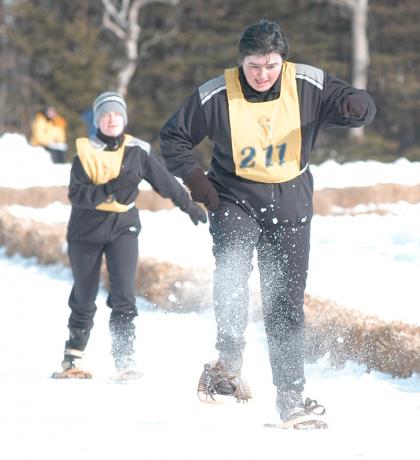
(369, 262)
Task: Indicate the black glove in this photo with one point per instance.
(196, 213)
(352, 106)
(122, 182)
(202, 190)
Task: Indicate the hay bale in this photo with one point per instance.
(40, 197)
(169, 287)
(173, 287)
(349, 197)
(164, 284)
(390, 347)
(33, 239)
(324, 199)
(36, 197)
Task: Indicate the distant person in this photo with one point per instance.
(87, 117)
(49, 131)
(104, 221)
(263, 118)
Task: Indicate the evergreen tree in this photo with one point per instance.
(64, 60)
(395, 68)
(206, 44)
(56, 52)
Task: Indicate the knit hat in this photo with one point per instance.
(109, 102)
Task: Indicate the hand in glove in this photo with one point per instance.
(196, 213)
(352, 106)
(122, 182)
(202, 190)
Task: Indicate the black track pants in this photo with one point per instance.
(283, 254)
(85, 259)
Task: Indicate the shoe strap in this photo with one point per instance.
(311, 406)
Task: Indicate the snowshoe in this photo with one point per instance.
(126, 375)
(299, 415)
(73, 373)
(214, 380)
(72, 369)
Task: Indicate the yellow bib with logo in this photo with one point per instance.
(266, 136)
(101, 166)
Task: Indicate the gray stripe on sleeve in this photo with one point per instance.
(310, 74)
(210, 88)
(135, 141)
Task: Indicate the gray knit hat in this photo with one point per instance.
(109, 102)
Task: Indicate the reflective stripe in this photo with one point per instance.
(74, 352)
(303, 169)
(210, 88)
(135, 141)
(311, 74)
(310, 80)
(210, 95)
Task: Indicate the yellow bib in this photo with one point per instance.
(101, 166)
(266, 137)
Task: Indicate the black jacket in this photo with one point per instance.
(205, 113)
(88, 224)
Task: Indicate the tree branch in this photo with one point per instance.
(155, 39)
(124, 23)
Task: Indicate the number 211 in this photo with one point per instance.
(250, 152)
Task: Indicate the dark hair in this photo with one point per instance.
(263, 38)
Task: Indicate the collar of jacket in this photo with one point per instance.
(251, 95)
(111, 143)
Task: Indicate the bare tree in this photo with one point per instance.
(122, 19)
(358, 10)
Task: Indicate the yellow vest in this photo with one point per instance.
(46, 131)
(101, 166)
(266, 136)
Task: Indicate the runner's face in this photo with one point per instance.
(261, 72)
(111, 124)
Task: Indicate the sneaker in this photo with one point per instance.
(216, 380)
(299, 414)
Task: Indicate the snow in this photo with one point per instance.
(23, 161)
(367, 262)
(364, 173)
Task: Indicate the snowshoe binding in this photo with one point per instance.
(126, 375)
(215, 380)
(298, 414)
(72, 369)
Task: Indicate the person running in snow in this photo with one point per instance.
(263, 118)
(104, 181)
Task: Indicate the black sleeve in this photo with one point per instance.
(163, 182)
(82, 192)
(185, 129)
(334, 94)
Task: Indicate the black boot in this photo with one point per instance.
(74, 348)
(72, 359)
(73, 354)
